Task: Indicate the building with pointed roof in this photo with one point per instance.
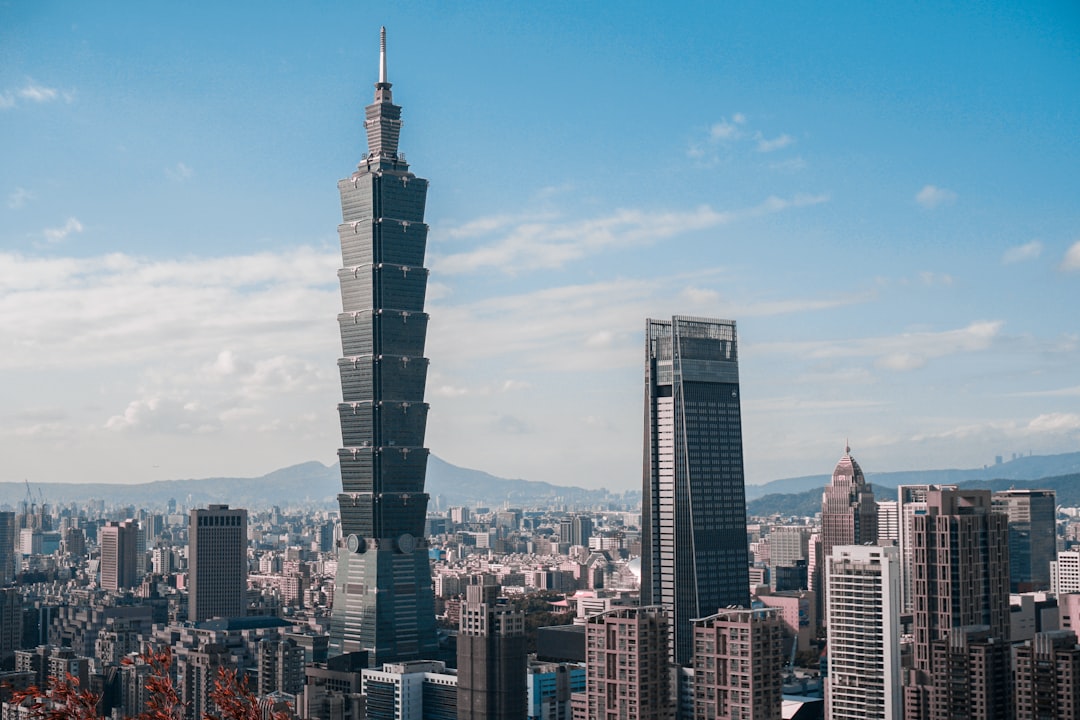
(383, 595)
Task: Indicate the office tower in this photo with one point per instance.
(627, 665)
(694, 557)
(7, 547)
(11, 624)
(383, 601)
(912, 502)
(1048, 677)
(551, 685)
(1032, 536)
(1065, 573)
(217, 563)
(960, 590)
(888, 532)
(848, 511)
(738, 664)
(415, 690)
(864, 633)
(118, 549)
(789, 556)
(491, 658)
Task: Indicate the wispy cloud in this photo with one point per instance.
(729, 132)
(906, 351)
(766, 145)
(531, 244)
(18, 198)
(932, 196)
(33, 92)
(1072, 257)
(1046, 424)
(59, 234)
(1020, 253)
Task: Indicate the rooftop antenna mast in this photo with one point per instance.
(382, 54)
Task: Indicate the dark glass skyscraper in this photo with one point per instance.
(694, 554)
(383, 600)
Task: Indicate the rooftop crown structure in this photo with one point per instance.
(383, 601)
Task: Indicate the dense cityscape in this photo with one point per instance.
(930, 601)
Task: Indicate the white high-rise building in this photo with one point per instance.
(863, 611)
(1065, 573)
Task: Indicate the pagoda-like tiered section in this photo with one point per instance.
(383, 600)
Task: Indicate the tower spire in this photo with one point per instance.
(383, 117)
(382, 55)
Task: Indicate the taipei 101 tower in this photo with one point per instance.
(383, 601)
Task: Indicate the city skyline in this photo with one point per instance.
(888, 212)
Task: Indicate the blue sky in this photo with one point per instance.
(884, 197)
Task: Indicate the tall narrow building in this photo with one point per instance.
(118, 555)
(492, 667)
(849, 515)
(217, 563)
(864, 633)
(383, 600)
(694, 557)
(960, 594)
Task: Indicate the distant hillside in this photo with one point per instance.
(1029, 467)
(310, 482)
(808, 503)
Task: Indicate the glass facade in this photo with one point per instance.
(694, 552)
(383, 595)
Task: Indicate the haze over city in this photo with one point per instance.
(884, 200)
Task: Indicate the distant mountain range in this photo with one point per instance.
(1027, 467)
(310, 482)
(448, 485)
(1060, 473)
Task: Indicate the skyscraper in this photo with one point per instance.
(960, 591)
(912, 502)
(849, 515)
(1032, 536)
(7, 546)
(864, 633)
(217, 563)
(694, 557)
(491, 658)
(118, 549)
(383, 600)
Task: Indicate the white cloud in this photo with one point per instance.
(1072, 257)
(932, 196)
(781, 141)
(38, 93)
(530, 244)
(19, 198)
(727, 129)
(119, 309)
(1020, 253)
(58, 234)
(906, 351)
(35, 93)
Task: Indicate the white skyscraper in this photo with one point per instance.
(863, 614)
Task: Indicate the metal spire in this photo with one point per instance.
(382, 54)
